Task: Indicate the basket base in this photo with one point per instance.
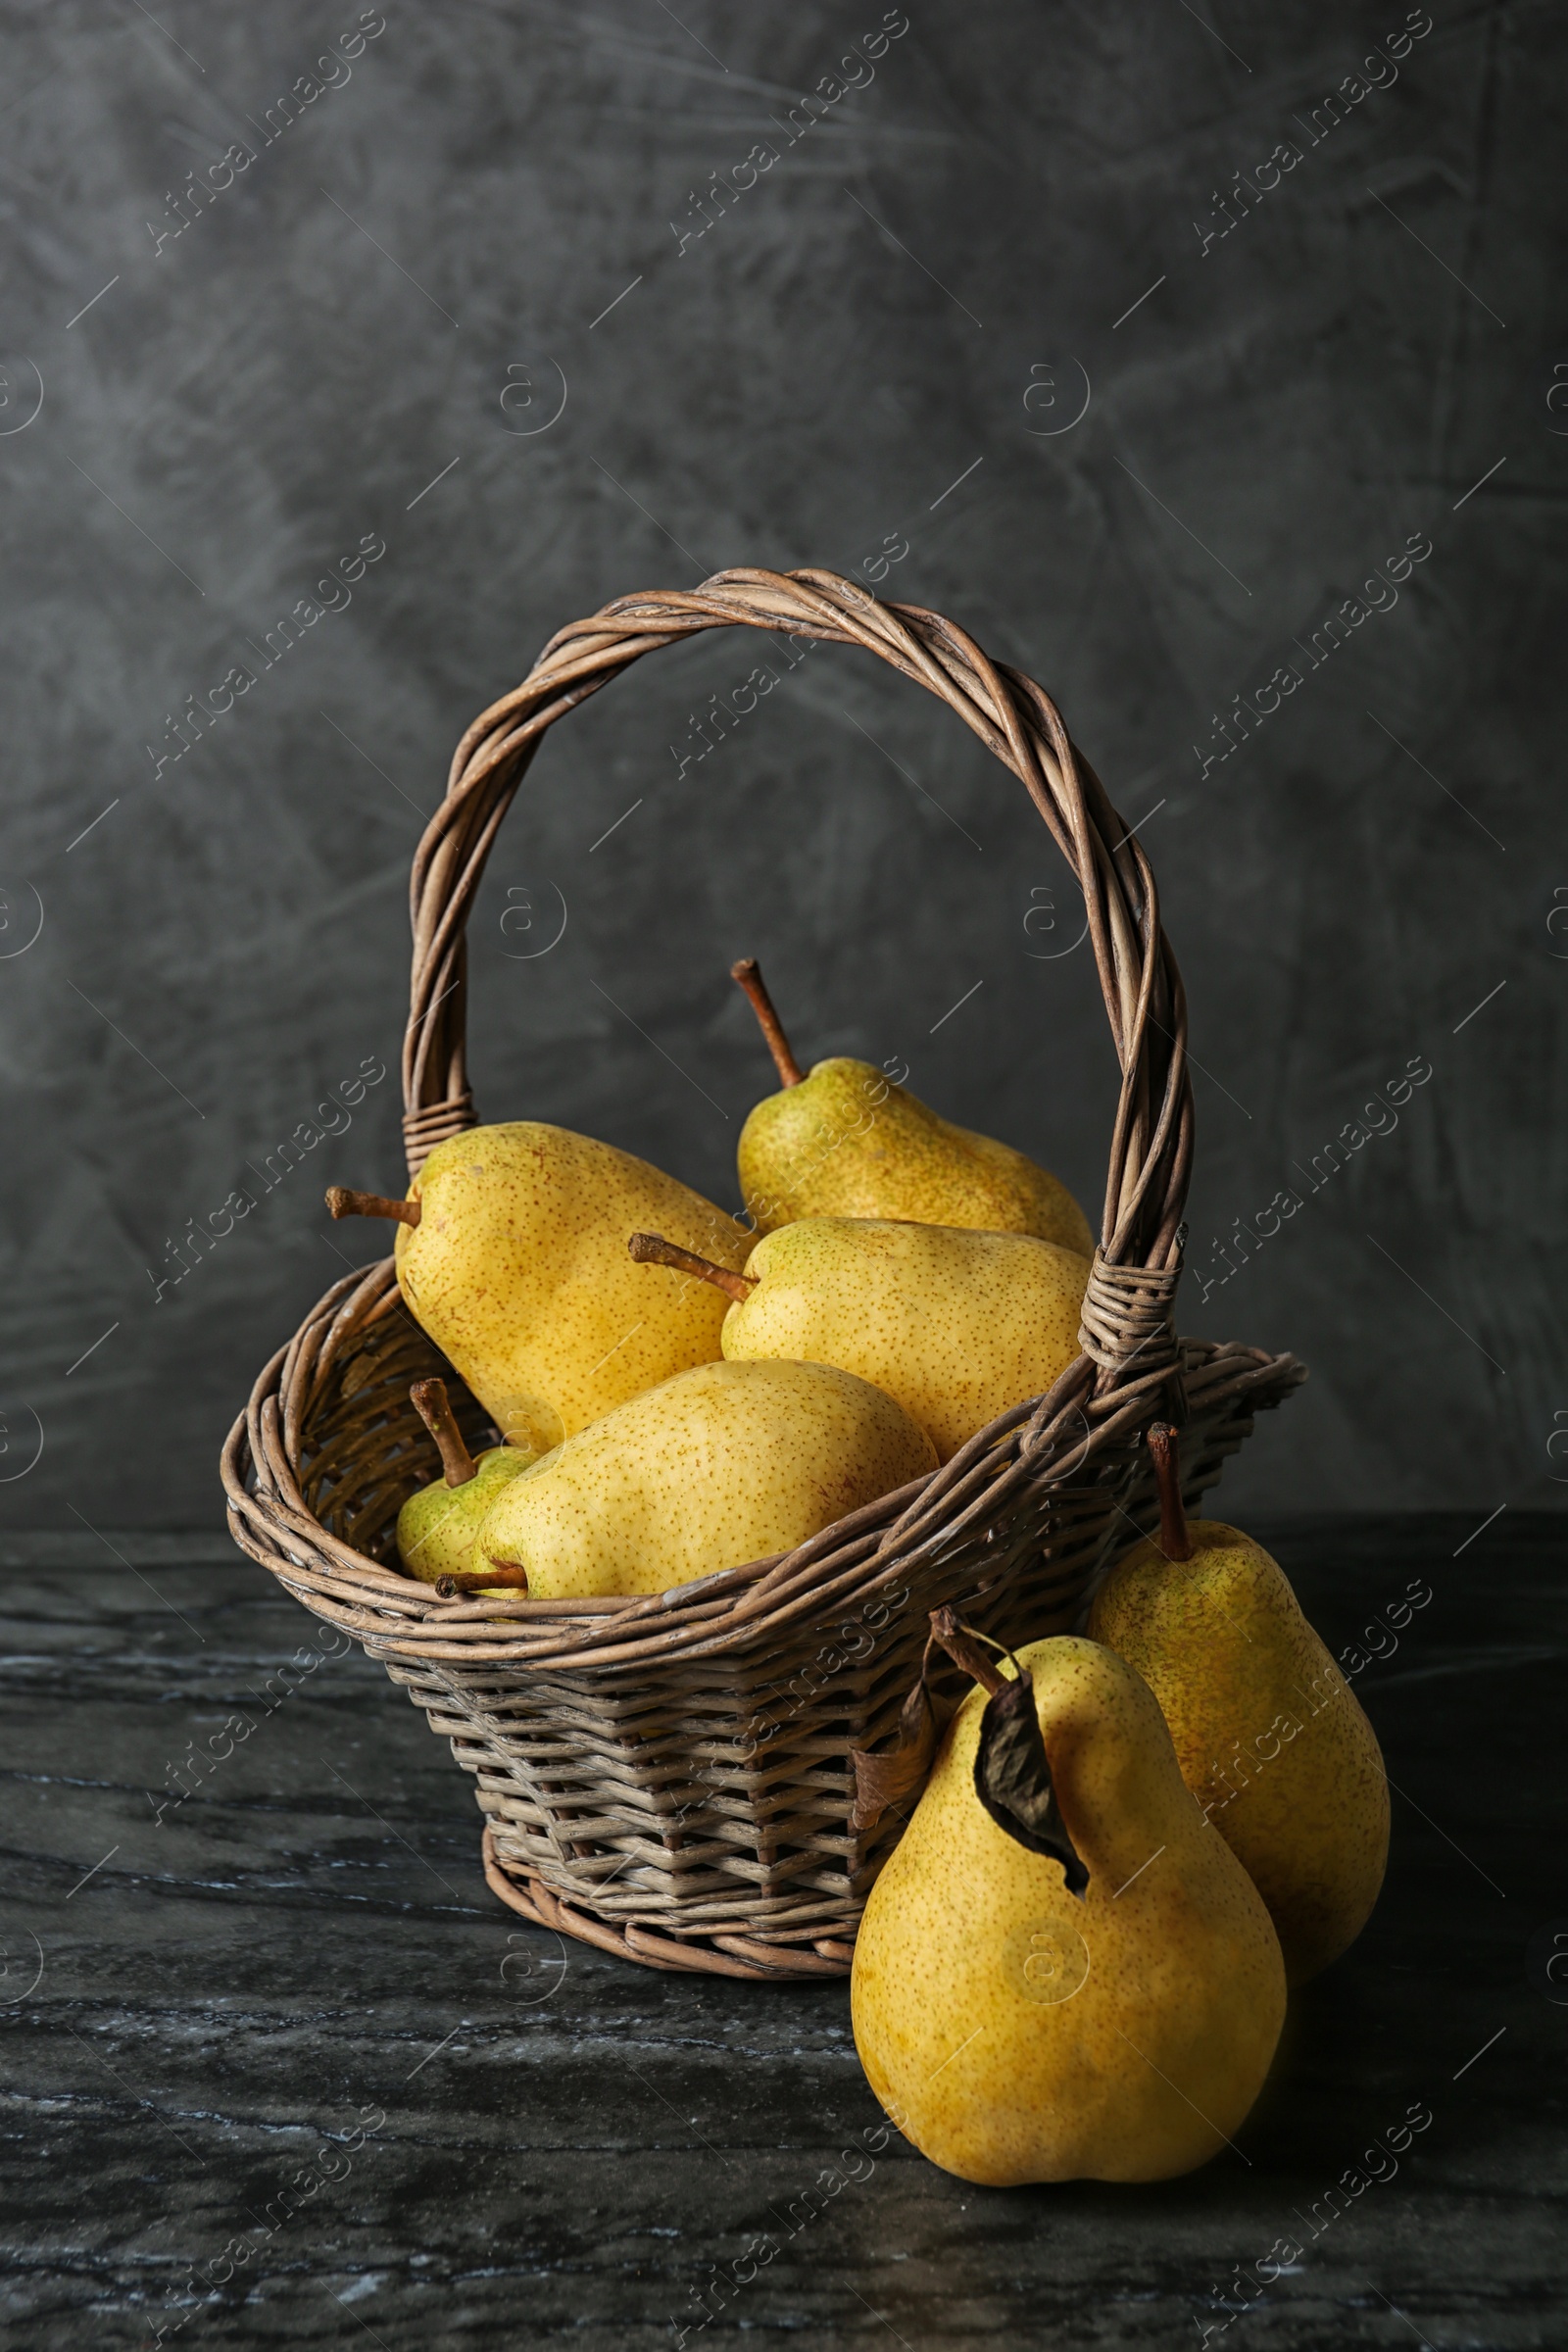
(745, 1956)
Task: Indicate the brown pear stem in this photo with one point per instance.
(749, 974)
(346, 1204)
(430, 1402)
(965, 1652)
(651, 1250)
(463, 1580)
(1174, 1540)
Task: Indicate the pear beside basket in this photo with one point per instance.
(672, 1778)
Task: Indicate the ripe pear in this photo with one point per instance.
(1269, 1736)
(844, 1142)
(511, 1254)
(436, 1526)
(722, 1465)
(956, 1325)
(1016, 2031)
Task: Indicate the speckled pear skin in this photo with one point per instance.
(724, 1464)
(1221, 1640)
(519, 1271)
(436, 1527)
(1017, 2032)
(847, 1142)
(956, 1324)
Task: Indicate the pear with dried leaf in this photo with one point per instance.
(1060, 1973)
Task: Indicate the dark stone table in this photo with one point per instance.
(282, 2043)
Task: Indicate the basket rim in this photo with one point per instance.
(1055, 1442)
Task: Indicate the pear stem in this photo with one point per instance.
(651, 1250)
(463, 1580)
(430, 1402)
(749, 974)
(1174, 1540)
(963, 1648)
(346, 1204)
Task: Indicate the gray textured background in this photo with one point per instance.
(884, 343)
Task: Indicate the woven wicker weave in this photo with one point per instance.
(671, 1778)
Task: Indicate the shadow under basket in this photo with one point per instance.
(672, 1778)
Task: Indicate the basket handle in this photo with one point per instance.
(1138, 1260)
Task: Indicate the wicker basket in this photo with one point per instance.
(672, 1778)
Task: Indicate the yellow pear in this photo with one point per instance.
(841, 1140)
(1269, 1736)
(956, 1325)
(722, 1465)
(1016, 2031)
(436, 1526)
(511, 1254)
